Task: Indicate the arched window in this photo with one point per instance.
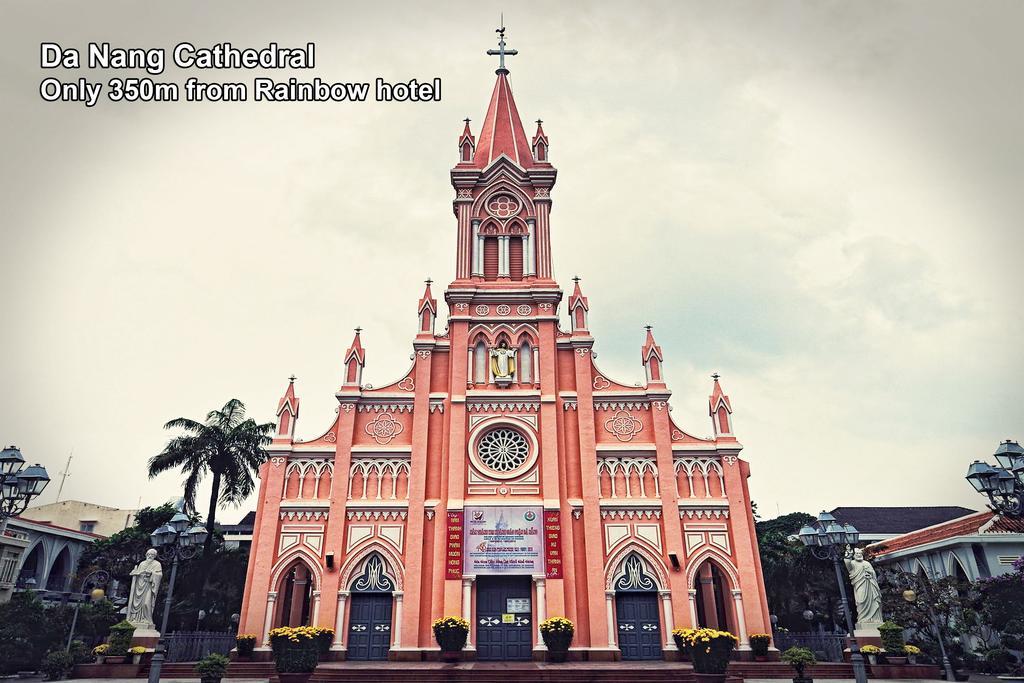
(467, 151)
(295, 592)
(490, 258)
(525, 363)
(515, 258)
(480, 363)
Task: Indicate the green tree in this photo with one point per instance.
(118, 553)
(28, 630)
(227, 446)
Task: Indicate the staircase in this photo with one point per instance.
(503, 672)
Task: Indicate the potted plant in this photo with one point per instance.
(799, 658)
(120, 639)
(911, 651)
(710, 650)
(246, 643)
(557, 633)
(450, 634)
(759, 643)
(136, 653)
(212, 667)
(56, 665)
(871, 652)
(101, 652)
(892, 642)
(296, 652)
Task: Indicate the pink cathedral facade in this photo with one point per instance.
(504, 477)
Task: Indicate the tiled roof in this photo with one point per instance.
(969, 525)
(58, 527)
(897, 520)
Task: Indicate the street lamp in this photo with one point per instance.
(830, 540)
(912, 585)
(100, 577)
(173, 541)
(18, 484)
(1003, 484)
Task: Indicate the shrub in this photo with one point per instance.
(120, 639)
(799, 658)
(246, 643)
(56, 665)
(323, 637)
(997, 660)
(892, 636)
(213, 665)
(759, 643)
(81, 653)
(557, 632)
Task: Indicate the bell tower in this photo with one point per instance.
(502, 184)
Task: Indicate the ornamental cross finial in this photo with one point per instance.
(501, 52)
(715, 376)
(429, 282)
(358, 330)
(467, 119)
(576, 279)
(291, 380)
(539, 121)
(648, 327)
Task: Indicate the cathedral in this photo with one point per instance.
(504, 478)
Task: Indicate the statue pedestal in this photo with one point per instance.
(503, 382)
(867, 633)
(146, 637)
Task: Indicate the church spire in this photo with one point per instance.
(578, 309)
(287, 412)
(355, 361)
(652, 358)
(720, 410)
(427, 312)
(502, 131)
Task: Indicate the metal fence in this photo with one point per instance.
(827, 647)
(191, 646)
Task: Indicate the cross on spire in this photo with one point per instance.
(715, 376)
(648, 327)
(501, 52)
(291, 380)
(539, 122)
(467, 119)
(358, 330)
(576, 279)
(429, 282)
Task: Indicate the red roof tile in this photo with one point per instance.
(986, 522)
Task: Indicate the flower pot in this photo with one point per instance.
(896, 661)
(136, 659)
(294, 677)
(558, 656)
(912, 659)
(872, 660)
(100, 659)
(558, 646)
(709, 678)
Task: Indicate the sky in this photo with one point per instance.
(819, 201)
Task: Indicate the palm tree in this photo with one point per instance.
(227, 445)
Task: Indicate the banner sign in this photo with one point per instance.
(453, 556)
(553, 543)
(503, 540)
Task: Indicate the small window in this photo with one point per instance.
(87, 527)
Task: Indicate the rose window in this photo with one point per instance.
(503, 206)
(503, 449)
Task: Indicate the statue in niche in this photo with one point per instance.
(866, 593)
(503, 363)
(142, 599)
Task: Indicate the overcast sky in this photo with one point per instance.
(820, 201)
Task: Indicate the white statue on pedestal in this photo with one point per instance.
(142, 598)
(866, 593)
(503, 362)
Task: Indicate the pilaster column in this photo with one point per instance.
(529, 260)
(541, 611)
(467, 607)
(609, 599)
(666, 608)
(268, 621)
(339, 622)
(478, 251)
(398, 620)
(741, 622)
(503, 241)
(316, 609)
(693, 608)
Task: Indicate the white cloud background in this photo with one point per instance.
(821, 201)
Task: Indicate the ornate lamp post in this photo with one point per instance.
(830, 540)
(100, 577)
(18, 484)
(173, 541)
(1004, 485)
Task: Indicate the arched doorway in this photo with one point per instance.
(637, 623)
(31, 568)
(713, 597)
(60, 571)
(370, 618)
(295, 589)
